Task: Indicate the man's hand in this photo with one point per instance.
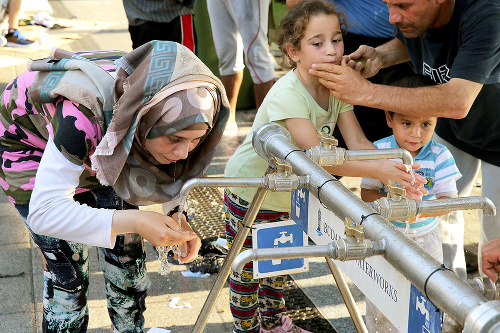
(491, 258)
(344, 82)
(368, 55)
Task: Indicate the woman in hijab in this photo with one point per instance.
(87, 137)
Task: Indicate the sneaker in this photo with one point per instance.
(16, 39)
(286, 327)
(3, 41)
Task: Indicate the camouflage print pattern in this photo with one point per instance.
(66, 275)
(253, 302)
(25, 127)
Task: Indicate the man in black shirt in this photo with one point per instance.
(457, 44)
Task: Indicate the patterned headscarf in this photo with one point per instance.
(160, 88)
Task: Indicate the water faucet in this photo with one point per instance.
(397, 207)
(280, 180)
(328, 154)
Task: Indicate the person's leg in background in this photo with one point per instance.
(252, 18)
(188, 33)
(229, 49)
(260, 90)
(452, 225)
(232, 85)
(14, 37)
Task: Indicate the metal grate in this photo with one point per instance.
(206, 212)
(206, 207)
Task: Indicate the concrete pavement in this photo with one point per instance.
(103, 25)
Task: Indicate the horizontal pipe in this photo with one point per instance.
(370, 154)
(329, 250)
(221, 182)
(340, 249)
(443, 287)
(465, 203)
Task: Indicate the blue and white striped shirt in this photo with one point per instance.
(438, 168)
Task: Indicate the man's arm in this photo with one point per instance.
(450, 100)
(392, 53)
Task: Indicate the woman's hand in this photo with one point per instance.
(189, 250)
(159, 229)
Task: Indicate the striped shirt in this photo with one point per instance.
(438, 168)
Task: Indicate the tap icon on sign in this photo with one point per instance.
(421, 307)
(282, 239)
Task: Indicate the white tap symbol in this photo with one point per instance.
(282, 239)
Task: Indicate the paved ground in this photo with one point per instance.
(100, 25)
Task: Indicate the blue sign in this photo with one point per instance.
(422, 317)
(300, 208)
(279, 236)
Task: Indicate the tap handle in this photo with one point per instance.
(282, 166)
(327, 140)
(396, 190)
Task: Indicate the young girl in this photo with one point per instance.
(311, 33)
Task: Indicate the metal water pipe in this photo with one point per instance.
(445, 289)
(328, 154)
(341, 249)
(273, 182)
(397, 207)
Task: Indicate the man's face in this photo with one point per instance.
(413, 17)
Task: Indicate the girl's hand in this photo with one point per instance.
(372, 63)
(396, 171)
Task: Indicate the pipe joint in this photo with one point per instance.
(485, 318)
(326, 156)
(401, 209)
(484, 286)
(357, 249)
(285, 182)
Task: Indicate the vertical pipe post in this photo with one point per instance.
(346, 294)
(222, 276)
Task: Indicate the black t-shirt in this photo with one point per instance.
(468, 47)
